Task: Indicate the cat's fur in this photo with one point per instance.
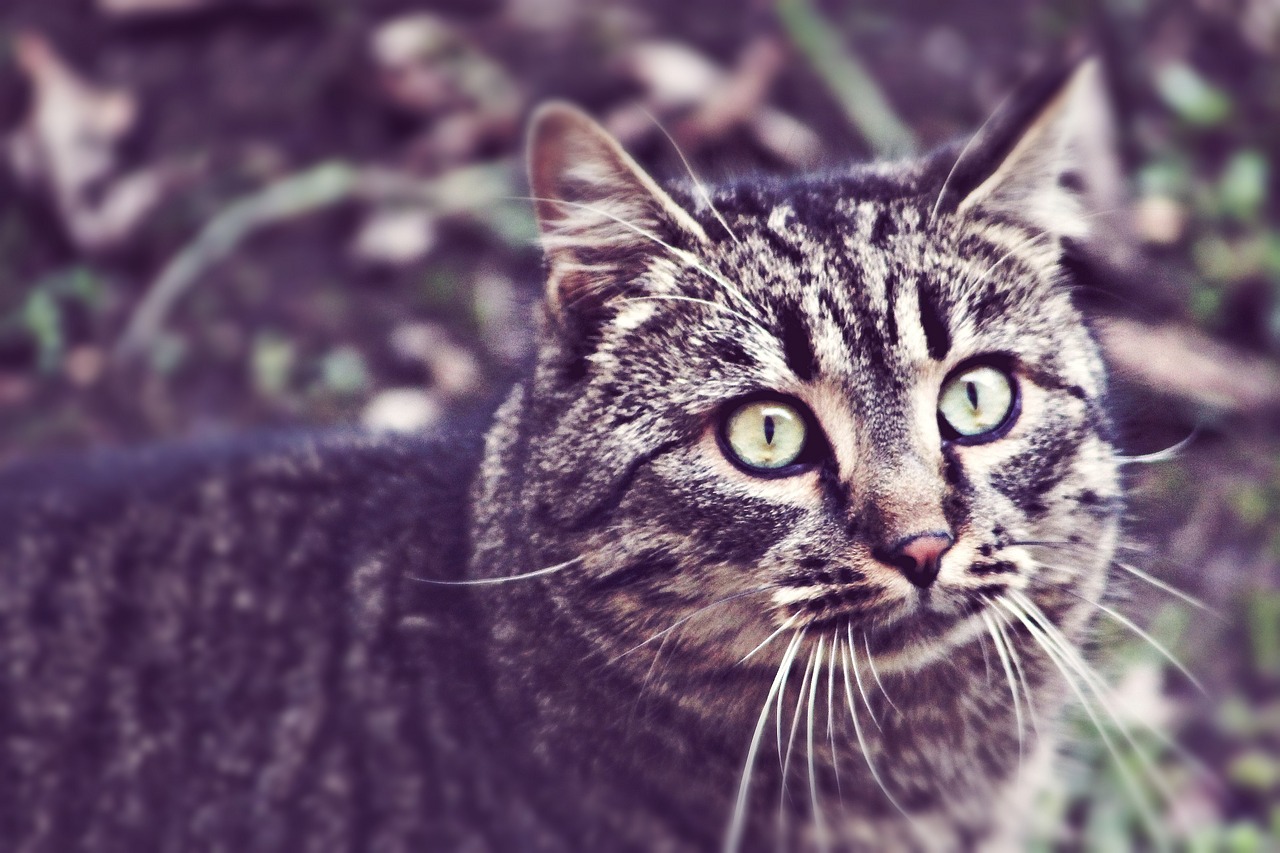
(233, 650)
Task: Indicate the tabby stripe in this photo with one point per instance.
(797, 347)
(937, 336)
(646, 567)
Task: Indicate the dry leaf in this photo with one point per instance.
(68, 147)
(711, 101)
(124, 8)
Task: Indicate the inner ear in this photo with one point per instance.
(602, 219)
(1046, 159)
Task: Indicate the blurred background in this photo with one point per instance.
(228, 214)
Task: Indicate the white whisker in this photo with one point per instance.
(644, 685)
(688, 258)
(857, 676)
(698, 185)
(795, 726)
(491, 581)
(998, 640)
(831, 707)
(769, 639)
(969, 143)
(850, 660)
(703, 609)
(733, 839)
(1137, 629)
(1164, 587)
(716, 305)
(986, 660)
(871, 664)
(1012, 649)
(1018, 247)
(1166, 455)
(1068, 661)
(1133, 570)
(819, 826)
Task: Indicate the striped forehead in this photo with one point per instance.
(867, 293)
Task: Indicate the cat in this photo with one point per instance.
(764, 551)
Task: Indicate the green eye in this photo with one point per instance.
(765, 435)
(976, 402)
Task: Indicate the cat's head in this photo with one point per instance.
(862, 402)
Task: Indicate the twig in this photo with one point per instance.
(317, 188)
(861, 98)
(481, 191)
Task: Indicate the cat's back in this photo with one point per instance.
(227, 648)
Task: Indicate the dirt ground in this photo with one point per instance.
(227, 214)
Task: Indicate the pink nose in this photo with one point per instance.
(918, 556)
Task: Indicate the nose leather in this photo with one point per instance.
(917, 556)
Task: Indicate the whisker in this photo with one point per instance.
(1166, 455)
(1135, 628)
(969, 143)
(688, 258)
(1102, 691)
(733, 839)
(769, 639)
(644, 685)
(707, 302)
(819, 826)
(703, 609)
(1012, 649)
(1017, 247)
(831, 707)
(850, 660)
(1171, 590)
(1030, 241)
(857, 677)
(1133, 570)
(998, 640)
(871, 664)
(491, 581)
(986, 660)
(1064, 656)
(698, 185)
(795, 726)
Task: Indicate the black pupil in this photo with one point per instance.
(972, 391)
(768, 429)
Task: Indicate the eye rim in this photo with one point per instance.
(1006, 364)
(811, 453)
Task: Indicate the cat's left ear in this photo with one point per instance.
(1047, 160)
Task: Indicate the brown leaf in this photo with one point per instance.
(67, 149)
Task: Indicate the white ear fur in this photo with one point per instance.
(1073, 135)
(597, 210)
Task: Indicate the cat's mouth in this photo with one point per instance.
(892, 628)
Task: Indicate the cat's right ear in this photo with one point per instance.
(1046, 159)
(602, 219)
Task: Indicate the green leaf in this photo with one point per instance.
(42, 317)
(1263, 609)
(1255, 770)
(1243, 186)
(1195, 100)
(272, 364)
(344, 371)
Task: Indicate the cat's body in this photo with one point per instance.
(255, 650)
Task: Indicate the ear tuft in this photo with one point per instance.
(601, 217)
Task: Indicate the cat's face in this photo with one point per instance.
(837, 404)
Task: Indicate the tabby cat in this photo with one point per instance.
(762, 553)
